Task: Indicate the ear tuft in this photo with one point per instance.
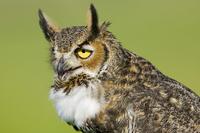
(47, 26)
(104, 26)
(92, 25)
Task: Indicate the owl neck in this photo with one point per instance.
(68, 85)
(77, 99)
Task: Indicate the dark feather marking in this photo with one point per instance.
(94, 29)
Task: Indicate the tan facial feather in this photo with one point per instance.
(97, 58)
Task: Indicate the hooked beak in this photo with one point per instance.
(60, 67)
(63, 68)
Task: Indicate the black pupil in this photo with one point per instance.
(83, 51)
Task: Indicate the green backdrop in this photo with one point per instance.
(166, 32)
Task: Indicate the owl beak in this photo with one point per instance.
(63, 68)
(60, 67)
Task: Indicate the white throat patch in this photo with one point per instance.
(77, 106)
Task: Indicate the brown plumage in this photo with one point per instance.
(101, 87)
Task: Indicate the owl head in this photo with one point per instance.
(80, 49)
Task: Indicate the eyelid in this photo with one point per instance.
(81, 48)
(87, 47)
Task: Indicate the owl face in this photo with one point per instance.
(70, 57)
(77, 49)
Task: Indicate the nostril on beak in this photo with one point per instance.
(60, 67)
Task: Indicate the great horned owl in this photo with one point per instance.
(101, 87)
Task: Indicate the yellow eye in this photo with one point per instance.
(83, 53)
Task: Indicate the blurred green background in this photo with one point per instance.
(166, 32)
